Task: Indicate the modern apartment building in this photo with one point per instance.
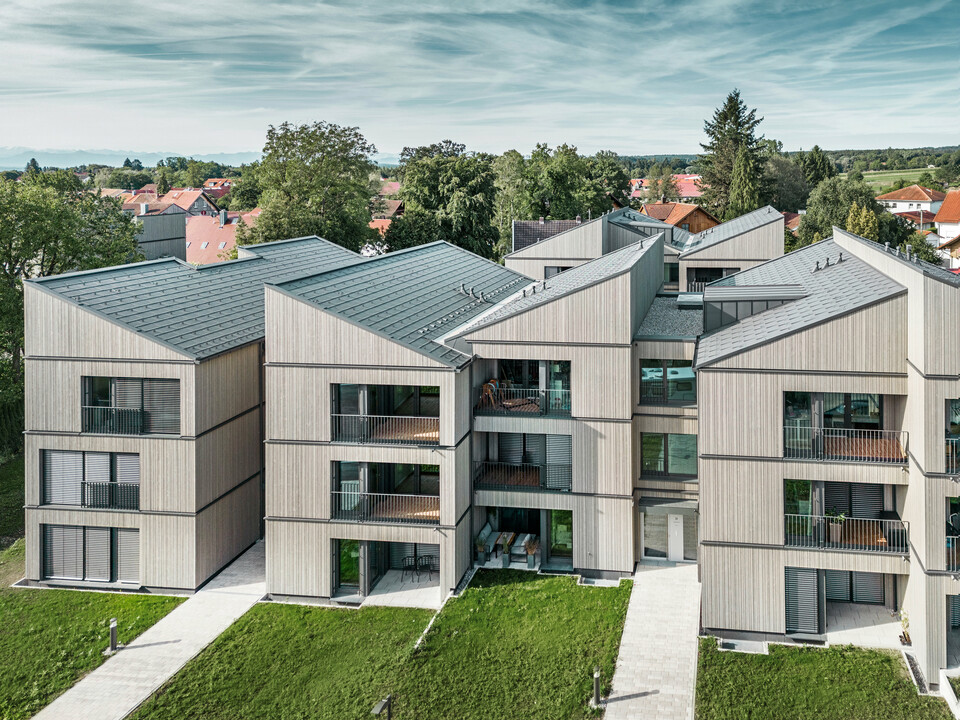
(144, 404)
(829, 407)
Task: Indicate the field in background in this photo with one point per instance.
(885, 178)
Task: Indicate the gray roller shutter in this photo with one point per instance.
(62, 552)
(559, 450)
(96, 478)
(868, 588)
(802, 601)
(838, 585)
(535, 450)
(836, 496)
(433, 551)
(62, 477)
(954, 610)
(510, 448)
(398, 551)
(866, 500)
(161, 406)
(128, 468)
(128, 393)
(128, 555)
(97, 554)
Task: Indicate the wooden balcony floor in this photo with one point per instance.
(887, 449)
(514, 477)
(397, 507)
(387, 431)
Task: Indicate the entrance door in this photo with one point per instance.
(675, 537)
(561, 538)
(347, 564)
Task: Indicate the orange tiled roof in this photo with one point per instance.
(381, 225)
(184, 198)
(791, 220)
(686, 185)
(389, 188)
(206, 229)
(671, 213)
(950, 210)
(913, 193)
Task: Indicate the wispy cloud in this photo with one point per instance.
(634, 77)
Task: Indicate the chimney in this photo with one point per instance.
(143, 208)
(223, 218)
(541, 219)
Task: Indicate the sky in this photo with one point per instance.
(633, 77)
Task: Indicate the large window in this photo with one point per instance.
(91, 553)
(131, 406)
(667, 382)
(851, 410)
(797, 497)
(668, 454)
(90, 479)
(671, 273)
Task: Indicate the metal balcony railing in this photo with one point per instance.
(697, 286)
(860, 534)
(953, 553)
(951, 462)
(111, 495)
(522, 476)
(845, 445)
(522, 401)
(385, 429)
(385, 508)
(112, 420)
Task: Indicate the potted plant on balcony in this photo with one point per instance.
(481, 550)
(835, 520)
(531, 546)
(506, 555)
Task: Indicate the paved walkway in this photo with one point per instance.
(123, 682)
(657, 668)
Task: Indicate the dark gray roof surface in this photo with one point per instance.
(834, 290)
(199, 311)
(530, 232)
(731, 228)
(666, 319)
(413, 296)
(928, 269)
(647, 225)
(567, 282)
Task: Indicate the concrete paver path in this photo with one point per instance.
(122, 683)
(657, 667)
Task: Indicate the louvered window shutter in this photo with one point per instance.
(62, 477)
(128, 555)
(63, 552)
(161, 405)
(802, 602)
(97, 554)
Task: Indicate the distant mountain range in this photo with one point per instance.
(16, 158)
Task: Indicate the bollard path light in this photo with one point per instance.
(596, 686)
(114, 645)
(384, 704)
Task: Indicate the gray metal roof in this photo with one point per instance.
(530, 232)
(637, 221)
(412, 296)
(922, 266)
(666, 319)
(731, 229)
(834, 290)
(568, 282)
(198, 311)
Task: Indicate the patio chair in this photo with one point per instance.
(425, 564)
(409, 566)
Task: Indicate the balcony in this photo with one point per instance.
(521, 476)
(951, 463)
(520, 401)
(111, 495)
(385, 429)
(845, 445)
(953, 553)
(385, 508)
(112, 420)
(820, 532)
(697, 286)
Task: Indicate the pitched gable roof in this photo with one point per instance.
(949, 212)
(673, 213)
(913, 193)
(198, 311)
(530, 232)
(186, 198)
(731, 229)
(412, 297)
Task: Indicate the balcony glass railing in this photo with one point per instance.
(385, 429)
(522, 476)
(112, 420)
(859, 534)
(385, 508)
(522, 401)
(845, 445)
(111, 495)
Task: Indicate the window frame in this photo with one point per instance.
(664, 395)
(666, 473)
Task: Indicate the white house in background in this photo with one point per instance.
(948, 216)
(913, 197)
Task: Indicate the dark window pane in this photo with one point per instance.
(682, 455)
(652, 454)
(651, 380)
(681, 381)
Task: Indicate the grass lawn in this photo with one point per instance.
(514, 645)
(837, 683)
(50, 638)
(883, 178)
(11, 500)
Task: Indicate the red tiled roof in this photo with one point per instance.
(206, 229)
(791, 220)
(381, 225)
(915, 216)
(184, 198)
(913, 193)
(686, 185)
(950, 243)
(671, 213)
(148, 188)
(389, 188)
(216, 182)
(391, 207)
(153, 208)
(950, 210)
